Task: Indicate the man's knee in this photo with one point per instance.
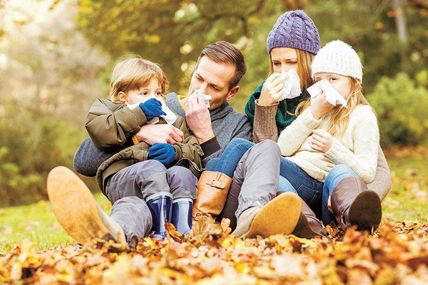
(267, 147)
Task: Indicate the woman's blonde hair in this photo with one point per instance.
(304, 61)
(339, 116)
(134, 73)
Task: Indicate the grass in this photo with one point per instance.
(406, 202)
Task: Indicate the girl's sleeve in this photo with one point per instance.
(365, 135)
(293, 136)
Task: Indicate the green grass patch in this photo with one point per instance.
(37, 223)
(406, 202)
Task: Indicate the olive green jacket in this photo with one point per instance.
(111, 125)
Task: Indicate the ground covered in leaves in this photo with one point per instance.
(394, 254)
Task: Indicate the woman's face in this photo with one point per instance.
(283, 59)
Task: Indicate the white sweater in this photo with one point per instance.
(357, 148)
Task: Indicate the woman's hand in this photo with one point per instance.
(272, 89)
(321, 140)
(320, 106)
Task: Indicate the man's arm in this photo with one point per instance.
(88, 158)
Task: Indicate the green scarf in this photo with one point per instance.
(286, 108)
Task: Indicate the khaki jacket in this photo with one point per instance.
(110, 124)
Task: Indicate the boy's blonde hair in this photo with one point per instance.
(339, 116)
(133, 73)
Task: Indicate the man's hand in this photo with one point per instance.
(198, 118)
(161, 133)
(321, 140)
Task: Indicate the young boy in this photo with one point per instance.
(154, 173)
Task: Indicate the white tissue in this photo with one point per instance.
(331, 94)
(170, 116)
(291, 86)
(207, 98)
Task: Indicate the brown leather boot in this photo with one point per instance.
(308, 226)
(213, 188)
(353, 204)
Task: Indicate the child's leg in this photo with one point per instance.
(336, 174)
(148, 180)
(230, 157)
(352, 203)
(182, 183)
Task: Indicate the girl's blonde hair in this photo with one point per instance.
(339, 117)
(304, 61)
(134, 73)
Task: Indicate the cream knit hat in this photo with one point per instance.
(340, 58)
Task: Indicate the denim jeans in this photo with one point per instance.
(232, 154)
(298, 181)
(336, 174)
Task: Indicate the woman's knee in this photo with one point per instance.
(268, 146)
(337, 173)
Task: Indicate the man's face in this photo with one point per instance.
(213, 79)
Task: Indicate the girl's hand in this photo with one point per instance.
(320, 106)
(272, 90)
(321, 140)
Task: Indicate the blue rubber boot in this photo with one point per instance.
(160, 206)
(182, 215)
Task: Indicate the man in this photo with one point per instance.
(217, 73)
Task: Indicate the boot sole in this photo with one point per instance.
(366, 211)
(279, 216)
(74, 206)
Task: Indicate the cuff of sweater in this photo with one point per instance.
(335, 151)
(266, 112)
(308, 119)
(210, 146)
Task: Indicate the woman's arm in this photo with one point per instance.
(264, 126)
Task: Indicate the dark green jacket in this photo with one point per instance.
(110, 124)
(286, 108)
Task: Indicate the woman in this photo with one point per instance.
(292, 44)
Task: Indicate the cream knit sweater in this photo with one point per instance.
(357, 148)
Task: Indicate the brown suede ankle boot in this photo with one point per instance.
(308, 226)
(353, 204)
(213, 188)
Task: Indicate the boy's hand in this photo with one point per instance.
(152, 108)
(163, 152)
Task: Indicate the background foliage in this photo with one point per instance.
(56, 57)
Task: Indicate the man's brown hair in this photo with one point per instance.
(224, 52)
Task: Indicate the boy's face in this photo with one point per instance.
(212, 78)
(144, 93)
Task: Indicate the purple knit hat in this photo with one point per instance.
(294, 29)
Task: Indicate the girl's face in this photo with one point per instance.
(283, 59)
(341, 83)
(144, 93)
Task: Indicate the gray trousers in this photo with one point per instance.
(255, 180)
(128, 189)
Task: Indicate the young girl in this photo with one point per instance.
(154, 174)
(335, 148)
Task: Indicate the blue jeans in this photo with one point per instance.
(232, 154)
(298, 181)
(336, 174)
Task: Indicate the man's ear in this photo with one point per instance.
(232, 93)
(121, 96)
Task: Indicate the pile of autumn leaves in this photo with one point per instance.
(395, 254)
